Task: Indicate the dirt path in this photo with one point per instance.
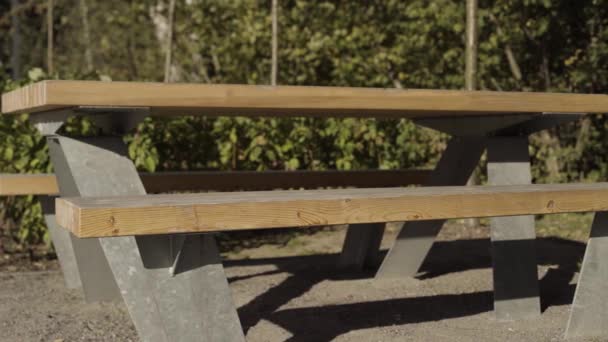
(304, 298)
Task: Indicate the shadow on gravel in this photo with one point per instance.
(306, 272)
(563, 257)
(303, 323)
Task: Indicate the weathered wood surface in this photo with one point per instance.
(46, 184)
(188, 213)
(204, 99)
(28, 184)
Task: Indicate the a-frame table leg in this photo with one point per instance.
(94, 272)
(589, 313)
(514, 259)
(516, 293)
(174, 287)
(415, 239)
(361, 246)
(62, 243)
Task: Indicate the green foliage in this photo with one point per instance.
(192, 143)
(22, 150)
(527, 45)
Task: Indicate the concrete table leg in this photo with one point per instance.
(62, 243)
(589, 313)
(94, 272)
(516, 294)
(416, 238)
(361, 246)
(174, 287)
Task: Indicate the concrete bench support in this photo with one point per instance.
(94, 272)
(361, 246)
(514, 259)
(589, 313)
(187, 299)
(516, 294)
(416, 238)
(62, 241)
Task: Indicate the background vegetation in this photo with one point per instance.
(526, 45)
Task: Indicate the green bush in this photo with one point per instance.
(533, 45)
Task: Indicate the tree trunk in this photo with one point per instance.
(16, 40)
(470, 79)
(470, 76)
(49, 37)
(169, 46)
(513, 65)
(86, 35)
(275, 43)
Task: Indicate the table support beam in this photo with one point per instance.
(415, 239)
(361, 248)
(589, 313)
(62, 242)
(515, 273)
(516, 293)
(192, 303)
(94, 272)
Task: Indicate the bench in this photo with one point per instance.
(88, 217)
(45, 186)
(182, 273)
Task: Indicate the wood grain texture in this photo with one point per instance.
(28, 184)
(46, 184)
(210, 212)
(205, 99)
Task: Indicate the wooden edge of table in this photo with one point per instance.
(222, 99)
(46, 184)
(213, 212)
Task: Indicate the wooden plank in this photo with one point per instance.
(209, 212)
(205, 99)
(269, 180)
(46, 184)
(28, 184)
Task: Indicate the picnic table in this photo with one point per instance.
(157, 253)
(45, 187)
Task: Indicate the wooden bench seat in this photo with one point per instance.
(211, 212)
(46, 184)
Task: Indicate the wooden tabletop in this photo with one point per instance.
(205, 99)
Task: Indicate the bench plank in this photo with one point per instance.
(28, 184)
(46, 184)
(269, 180)
(205, 99)
(210, 212)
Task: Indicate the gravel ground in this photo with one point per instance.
(294, 292)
